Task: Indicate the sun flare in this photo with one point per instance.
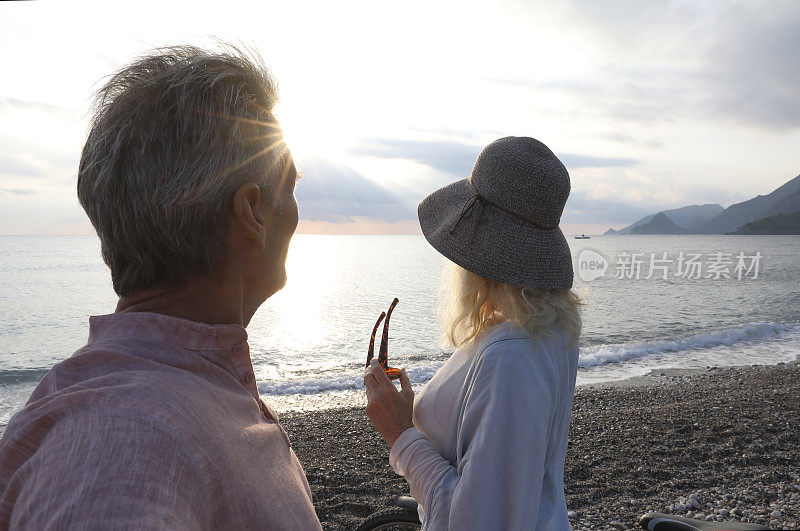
(304, 137)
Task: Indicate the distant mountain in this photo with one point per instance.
(713, 219)
(790, 203)
(644, 220)
(685, 217)
(688, 216)
(659, 224)
(777, 224)
(759, 207)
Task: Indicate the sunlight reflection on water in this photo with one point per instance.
(309, 341)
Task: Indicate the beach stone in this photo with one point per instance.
(776, 514)
(572, 514)
(767, 480)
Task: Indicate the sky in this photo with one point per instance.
(650, 105)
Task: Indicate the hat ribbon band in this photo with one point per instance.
(480, 217)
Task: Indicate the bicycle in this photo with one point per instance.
(668, 522)
(403, 516)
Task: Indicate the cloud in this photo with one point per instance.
(753, 67)
(24, 159)
(581, 208)
(334, 193)
(631, 139)
(337, 193)
(593, 202)
(20, 191)
(23, 105)
(457, 158)
(22, 165)
(728, 62)
(576, 160)
(450, 157)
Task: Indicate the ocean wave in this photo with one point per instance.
(21, 376)
(621, 352)
(344, 382)
(421, 371)
(594, 356)
(306, 386)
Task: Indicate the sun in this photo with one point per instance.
(308, 133)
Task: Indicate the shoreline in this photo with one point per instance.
(728, 435)
(354, 398)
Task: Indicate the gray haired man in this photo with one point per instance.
(157, 422)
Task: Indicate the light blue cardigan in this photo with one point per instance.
(502, 461)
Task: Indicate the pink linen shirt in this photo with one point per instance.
(155, 424)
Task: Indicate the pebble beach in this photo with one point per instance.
(715, 444)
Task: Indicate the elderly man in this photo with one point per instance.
(157, 422)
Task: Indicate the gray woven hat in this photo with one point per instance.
(502, 221)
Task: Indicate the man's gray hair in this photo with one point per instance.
(173, 135)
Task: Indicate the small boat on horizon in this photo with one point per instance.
(582, 237)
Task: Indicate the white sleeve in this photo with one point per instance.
(507, 420)
(413, 456)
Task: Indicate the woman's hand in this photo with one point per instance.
(389, 410)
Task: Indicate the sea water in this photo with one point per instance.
(309, 341)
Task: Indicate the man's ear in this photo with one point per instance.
(249, 215)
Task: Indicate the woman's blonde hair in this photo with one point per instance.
(470, 303)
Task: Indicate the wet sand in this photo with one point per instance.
(718, 444)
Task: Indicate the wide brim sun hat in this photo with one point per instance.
(502, 221)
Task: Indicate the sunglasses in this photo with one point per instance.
(383, 353)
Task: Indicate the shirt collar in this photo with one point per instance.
(184, 333)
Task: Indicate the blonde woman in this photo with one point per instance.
(483, 444)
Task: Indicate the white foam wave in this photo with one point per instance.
(344, 382)
(599, 355)
(620, 352)
(307, 386)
